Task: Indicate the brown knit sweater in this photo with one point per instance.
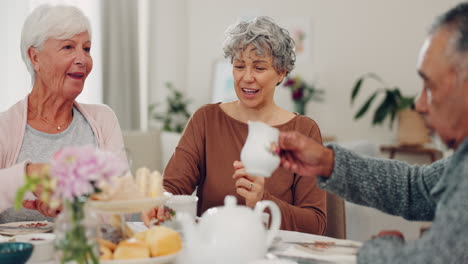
(204, 157)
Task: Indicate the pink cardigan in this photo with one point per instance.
(13, 125)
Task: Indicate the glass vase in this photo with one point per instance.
(300, 107)
(76, 230)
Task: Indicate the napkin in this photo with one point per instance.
(295, 251)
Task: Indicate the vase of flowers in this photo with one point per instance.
(76, 230)
(74, 174)
(302, 93)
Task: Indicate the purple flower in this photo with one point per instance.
(79, 169)
(297, 94)
(289, 82)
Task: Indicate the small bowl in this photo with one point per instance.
(15, 252)
(43, 245)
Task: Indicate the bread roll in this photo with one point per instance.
(106, 243)
(163, 241)
(132, 249)
(141, 235)
(105, 253)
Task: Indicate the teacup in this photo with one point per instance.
(183, 203)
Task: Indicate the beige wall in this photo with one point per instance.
(349, 39)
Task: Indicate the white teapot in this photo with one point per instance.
(256, 155)
(230, 234)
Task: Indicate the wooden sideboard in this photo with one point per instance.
(432, 153)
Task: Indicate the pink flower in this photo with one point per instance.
(79, 169)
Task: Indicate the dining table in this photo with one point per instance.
(288, 247)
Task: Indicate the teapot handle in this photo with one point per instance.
(275, 218)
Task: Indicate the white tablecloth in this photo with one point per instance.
(282, 249)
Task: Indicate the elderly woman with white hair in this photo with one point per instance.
(262, 54)
(55, 46)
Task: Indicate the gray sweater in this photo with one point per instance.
(438, 193)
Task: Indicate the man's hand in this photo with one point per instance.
(305, 156)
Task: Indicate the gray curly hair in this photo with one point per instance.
(266, 36)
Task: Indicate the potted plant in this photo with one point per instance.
(411, 129)
(176, 116)
(174, 120)
(302, 93)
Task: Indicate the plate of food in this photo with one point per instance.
(130, 205)
(25, 227)
(156, 245)
(156, 260)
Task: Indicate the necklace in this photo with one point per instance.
(58, 126)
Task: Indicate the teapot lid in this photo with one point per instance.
(229, 212)
(230, 201)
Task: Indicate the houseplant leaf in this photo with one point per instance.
(405, 102)
(358, 84)
(392, 103)
(356, 88)
(388, 107)
(366, 106)
(382, 111)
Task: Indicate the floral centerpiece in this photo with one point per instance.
(74, 174)
(302, 93)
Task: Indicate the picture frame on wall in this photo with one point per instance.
(223, 82)
(300, 30)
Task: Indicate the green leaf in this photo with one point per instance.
(374, 76)
(356, 88)
(388, 106)
(405, 102)
(366, 106)
(397, 92)
(381, 112)
(392, 118)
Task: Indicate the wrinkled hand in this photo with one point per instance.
(385, 233)
(250, 187)
(304, 155)
(42, 207)
(36, 168)
(158, 213)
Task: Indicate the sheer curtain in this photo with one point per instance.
(120, 47)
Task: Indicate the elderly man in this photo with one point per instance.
(438, 192)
